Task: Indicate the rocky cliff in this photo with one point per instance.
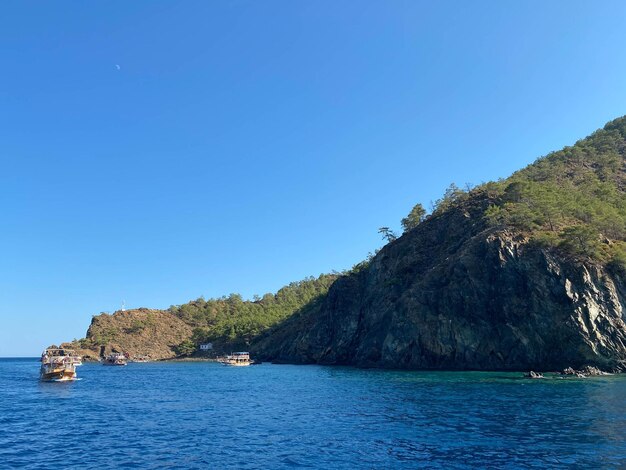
(455, 294)
(526, 273)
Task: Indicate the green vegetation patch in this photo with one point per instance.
(232, 321)
(573, 199)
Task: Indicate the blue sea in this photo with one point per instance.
(205, 415)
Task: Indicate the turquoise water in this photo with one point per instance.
(204, 415)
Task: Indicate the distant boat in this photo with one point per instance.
(140, 358)
(59, 365)
(237, 359)
(115, 359)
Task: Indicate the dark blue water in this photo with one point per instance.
(204, 415)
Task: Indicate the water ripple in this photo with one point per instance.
(202, 415)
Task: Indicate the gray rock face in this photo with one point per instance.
(455, 294)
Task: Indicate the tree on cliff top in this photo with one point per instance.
(415, 217)
(387, 234)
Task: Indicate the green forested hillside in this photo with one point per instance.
(571, 200)
(523, 273)
(232, 321)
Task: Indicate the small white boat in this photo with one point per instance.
(115, 359)
(140, 358)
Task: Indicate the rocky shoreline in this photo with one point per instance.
(584, 372)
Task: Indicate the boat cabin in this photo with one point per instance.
(240, 357)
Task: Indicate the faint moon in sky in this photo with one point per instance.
(118, 67)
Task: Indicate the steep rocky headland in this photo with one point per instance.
(488, 300)
(523, 273)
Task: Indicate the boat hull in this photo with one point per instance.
(57, 375)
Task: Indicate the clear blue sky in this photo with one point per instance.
(241, 145)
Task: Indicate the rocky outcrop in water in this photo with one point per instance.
(586, 371)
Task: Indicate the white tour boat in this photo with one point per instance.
(59, 365)
(237, 359)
